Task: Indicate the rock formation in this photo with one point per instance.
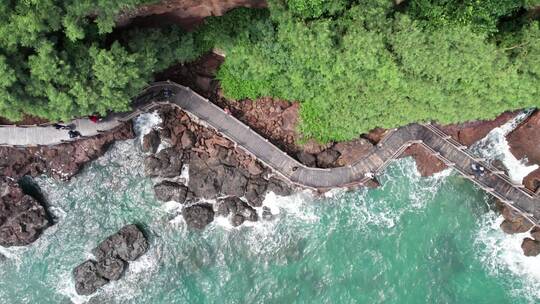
(198, 216)
(22, 217)
(113, 255)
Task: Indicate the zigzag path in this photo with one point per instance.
(391, 146)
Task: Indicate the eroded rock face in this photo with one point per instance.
(530, 247)
(171, 191)
(22, 218)
(198, 216)
(113, 255)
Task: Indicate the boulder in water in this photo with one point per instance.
(22, 218)
(237, 209)
(530, 247)
(198, 216)
(171, 191)
(87, 278)
(127, 244)
(111, 268)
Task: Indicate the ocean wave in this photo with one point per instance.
(495, 146)
(503, 257)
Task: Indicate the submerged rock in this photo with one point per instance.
(171, 191)
(267, 214)
(530, 247)
(198, 216)
(22, 218)
(87, 279)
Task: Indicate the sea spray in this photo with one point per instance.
(495, 146)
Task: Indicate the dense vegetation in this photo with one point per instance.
(354, 65)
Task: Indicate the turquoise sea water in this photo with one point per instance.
(414, 240)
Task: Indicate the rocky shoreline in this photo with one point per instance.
(217, 170)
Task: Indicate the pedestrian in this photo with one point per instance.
(74, 134)
(94, 118)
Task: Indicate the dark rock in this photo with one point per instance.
(513, 221)
(87, 279)
(166, 163)
(187, 140)
(255, 192)
(530, 247)
(327, 158)
(237, 220)
(171, 191)
(233, 181)
(151, 142)
(198, 216)
(127, 244)
(234, 206)
(203, 181)
(307, 159)
(535, 233)
(111, 268)
(278, 187)
(267, 214)
(22, 218)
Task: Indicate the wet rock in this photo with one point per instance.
(524, 139)
(278, 187)
(87, 279)
(112, 256)
(233, 181)
(127, 244)
(171, 191)
(151, 142)
(532, 181)
(166, 163)
(307, 159)
(111, 268)
(530, 247)
(535, 233)
(327, 158)
(198, 216)
(234, 207)
(22, 218)
(267, 214)
(513, 222)
(426, 163)
(237, 220)
(255, 192)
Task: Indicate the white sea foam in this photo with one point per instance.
(145, 122)
(495, 146)
(502, 255)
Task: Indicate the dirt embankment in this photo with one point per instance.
(186, 13)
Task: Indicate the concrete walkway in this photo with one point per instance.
(391, 146)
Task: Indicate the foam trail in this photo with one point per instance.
(502, 256)
(495, 146)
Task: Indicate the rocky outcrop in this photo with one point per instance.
(113, 255)
(22, 217)
(171, 191)
(236, 210)
(216, 169)
(198, 216)
(60, 161)
(513, 222)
